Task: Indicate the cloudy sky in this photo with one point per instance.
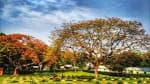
(39, 17)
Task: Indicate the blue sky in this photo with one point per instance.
(39, 17)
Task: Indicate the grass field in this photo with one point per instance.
(47, 79)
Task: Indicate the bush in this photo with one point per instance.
(69, 80)
(44, 80)
(139, 81)
(14, 81)
(57, 79)
(120, 82)
(108, 83)
(120, 74)
(24, 78)
(108, 78)
(97, 82)
(25, 72)
(148, 81)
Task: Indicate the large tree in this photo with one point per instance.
(102, 38)
(21, 50)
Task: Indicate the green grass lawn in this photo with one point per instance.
(46, 78)
(2, 78)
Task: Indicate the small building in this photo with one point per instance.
(103, 68)
(89, 66)
(137, 70)
(68, 66)
(35, 67)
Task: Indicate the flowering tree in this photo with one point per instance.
(102, 38)
(21, 50)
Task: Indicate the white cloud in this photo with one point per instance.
(51, 17)
(38, 23)
(41, 16)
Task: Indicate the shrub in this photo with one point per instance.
(108, 83)
(97, 82)
(44, 80)
(108, 78)
(57, 79)
(139, 81)
(120, 82)
(123, 78)
(85, 80)
(130, 82)
(69, 80)
(148, 81)
(14, 81)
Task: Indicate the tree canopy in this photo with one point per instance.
(21, 50)
(102, 38)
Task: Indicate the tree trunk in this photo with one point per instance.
(18, 67)
(74, 66)
(1, 71)
(15, 73)
(54, 69)
(96, 70)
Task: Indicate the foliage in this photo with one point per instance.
(145, 59)
(120, 82)
(21, 50)
(125, 59)
(50, 56)
(102, 38)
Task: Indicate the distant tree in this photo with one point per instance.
(20, 50)
(1, 33)
(145, 59)
(102, 38)
(71, 55)
(50, 58)
(82, 60)
(125, 59)
(53, 54)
